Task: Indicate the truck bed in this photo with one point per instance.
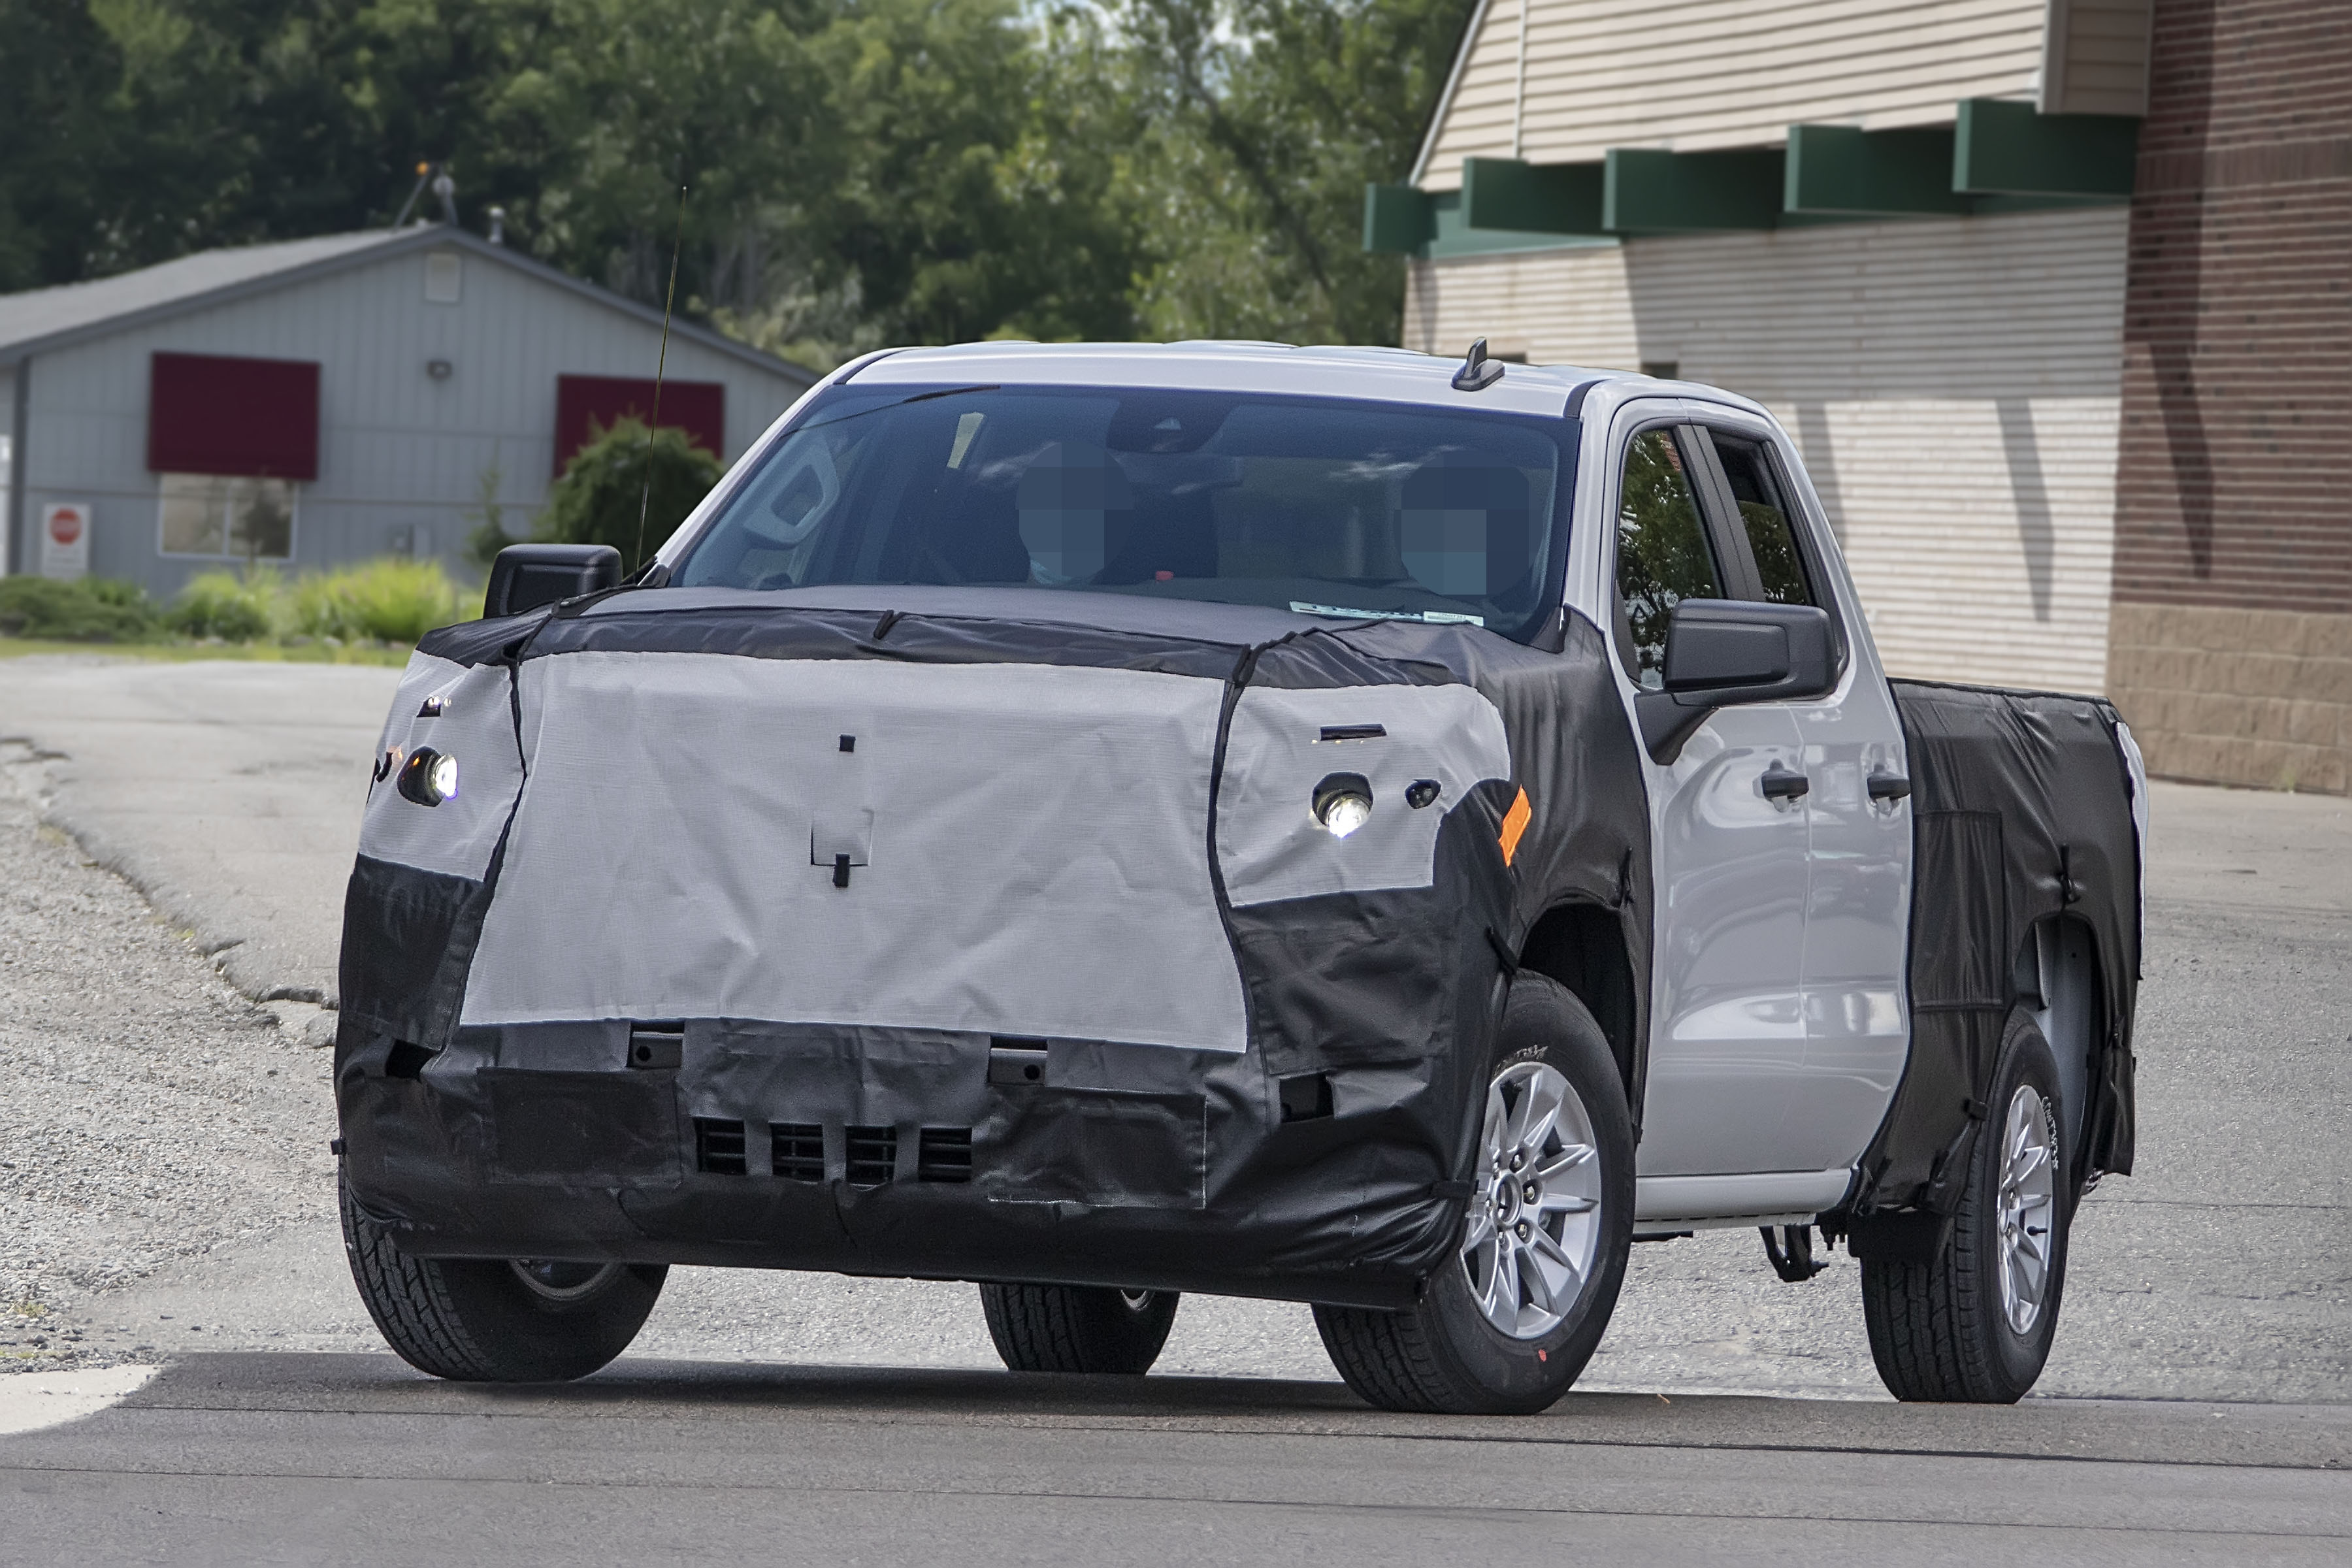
(2024, 815)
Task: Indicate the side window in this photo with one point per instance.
(1764, 517)
(1662, 556)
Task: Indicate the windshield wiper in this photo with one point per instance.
(897, 403)
(1434, 617)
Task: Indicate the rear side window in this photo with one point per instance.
(1764, 518)
(1662, 556)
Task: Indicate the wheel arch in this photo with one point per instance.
(1582, 944)
(2059, 971)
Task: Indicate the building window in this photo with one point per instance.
(445, 277)
(227, 518)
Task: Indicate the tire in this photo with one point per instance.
(489, 1321)
(1451, 1352)
(1975, 1326)
(1079, 1328)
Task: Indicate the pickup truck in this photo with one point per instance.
(1328, 825)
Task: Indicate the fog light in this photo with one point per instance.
(1343, 803)
(429, 777)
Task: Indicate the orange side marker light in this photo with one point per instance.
(1515, 824)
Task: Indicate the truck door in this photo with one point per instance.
(1858, 826)
(1727, 1036)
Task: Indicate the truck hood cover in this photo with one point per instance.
(679, 849)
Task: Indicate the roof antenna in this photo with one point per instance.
(424, 173)
(646, 496)
(1477, 373)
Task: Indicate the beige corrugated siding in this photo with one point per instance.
(1697, 74)
(1953, 387)
(2098, 62)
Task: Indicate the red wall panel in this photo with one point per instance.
(208, 414)
(698, 407)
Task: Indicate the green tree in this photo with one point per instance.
(1270, 117)
(629, 488)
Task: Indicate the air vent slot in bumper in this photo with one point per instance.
(943, 1154)
(873, 1155)
(718, 1147)
(796, 1151)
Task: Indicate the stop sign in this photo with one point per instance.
(64, 538)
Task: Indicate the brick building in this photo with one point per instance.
(2231, 636)
(2052, 294)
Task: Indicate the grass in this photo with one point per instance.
(181, 651)
(372, 613)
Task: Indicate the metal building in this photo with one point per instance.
(328, 400)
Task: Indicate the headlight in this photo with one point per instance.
(429, 777)
(1343, 803)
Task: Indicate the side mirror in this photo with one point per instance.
(1720, 652)
(525, 576)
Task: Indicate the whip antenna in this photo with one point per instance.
(661, 362)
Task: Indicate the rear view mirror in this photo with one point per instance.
(1720, 652)
(525, 576)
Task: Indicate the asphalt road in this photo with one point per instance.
(270, 1458)
(854, 1418)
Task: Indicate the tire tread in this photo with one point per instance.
(1932, 1326)
(409, 1300)
(1068, 1328)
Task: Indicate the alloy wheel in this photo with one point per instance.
(1534, 1226)
(2028, 1207)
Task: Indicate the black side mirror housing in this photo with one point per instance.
(525, 576)
(1721, 652)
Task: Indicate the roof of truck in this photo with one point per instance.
(1380, 374)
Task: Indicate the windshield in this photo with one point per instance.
(1316, 505)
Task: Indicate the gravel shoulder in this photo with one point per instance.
(153, 1112)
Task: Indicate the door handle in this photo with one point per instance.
(1889, 786)
(1780, 784)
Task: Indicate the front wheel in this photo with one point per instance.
(1974, 1325)
(495, 1321)
(1504, 1325)
(1079, 1328)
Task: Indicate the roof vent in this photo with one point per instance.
(1477, 373)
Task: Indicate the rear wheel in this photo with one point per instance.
(1504, 1326)
(1976, 1324)
(495, 1321)
(1079, 1328)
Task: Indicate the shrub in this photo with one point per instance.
(389, 599)
(223, 604)
(92, 609)
(599, 499)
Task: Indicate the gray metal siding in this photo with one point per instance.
(396, 447)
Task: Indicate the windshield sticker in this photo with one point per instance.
(1434, 617)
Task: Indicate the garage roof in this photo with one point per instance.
(44, 319)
